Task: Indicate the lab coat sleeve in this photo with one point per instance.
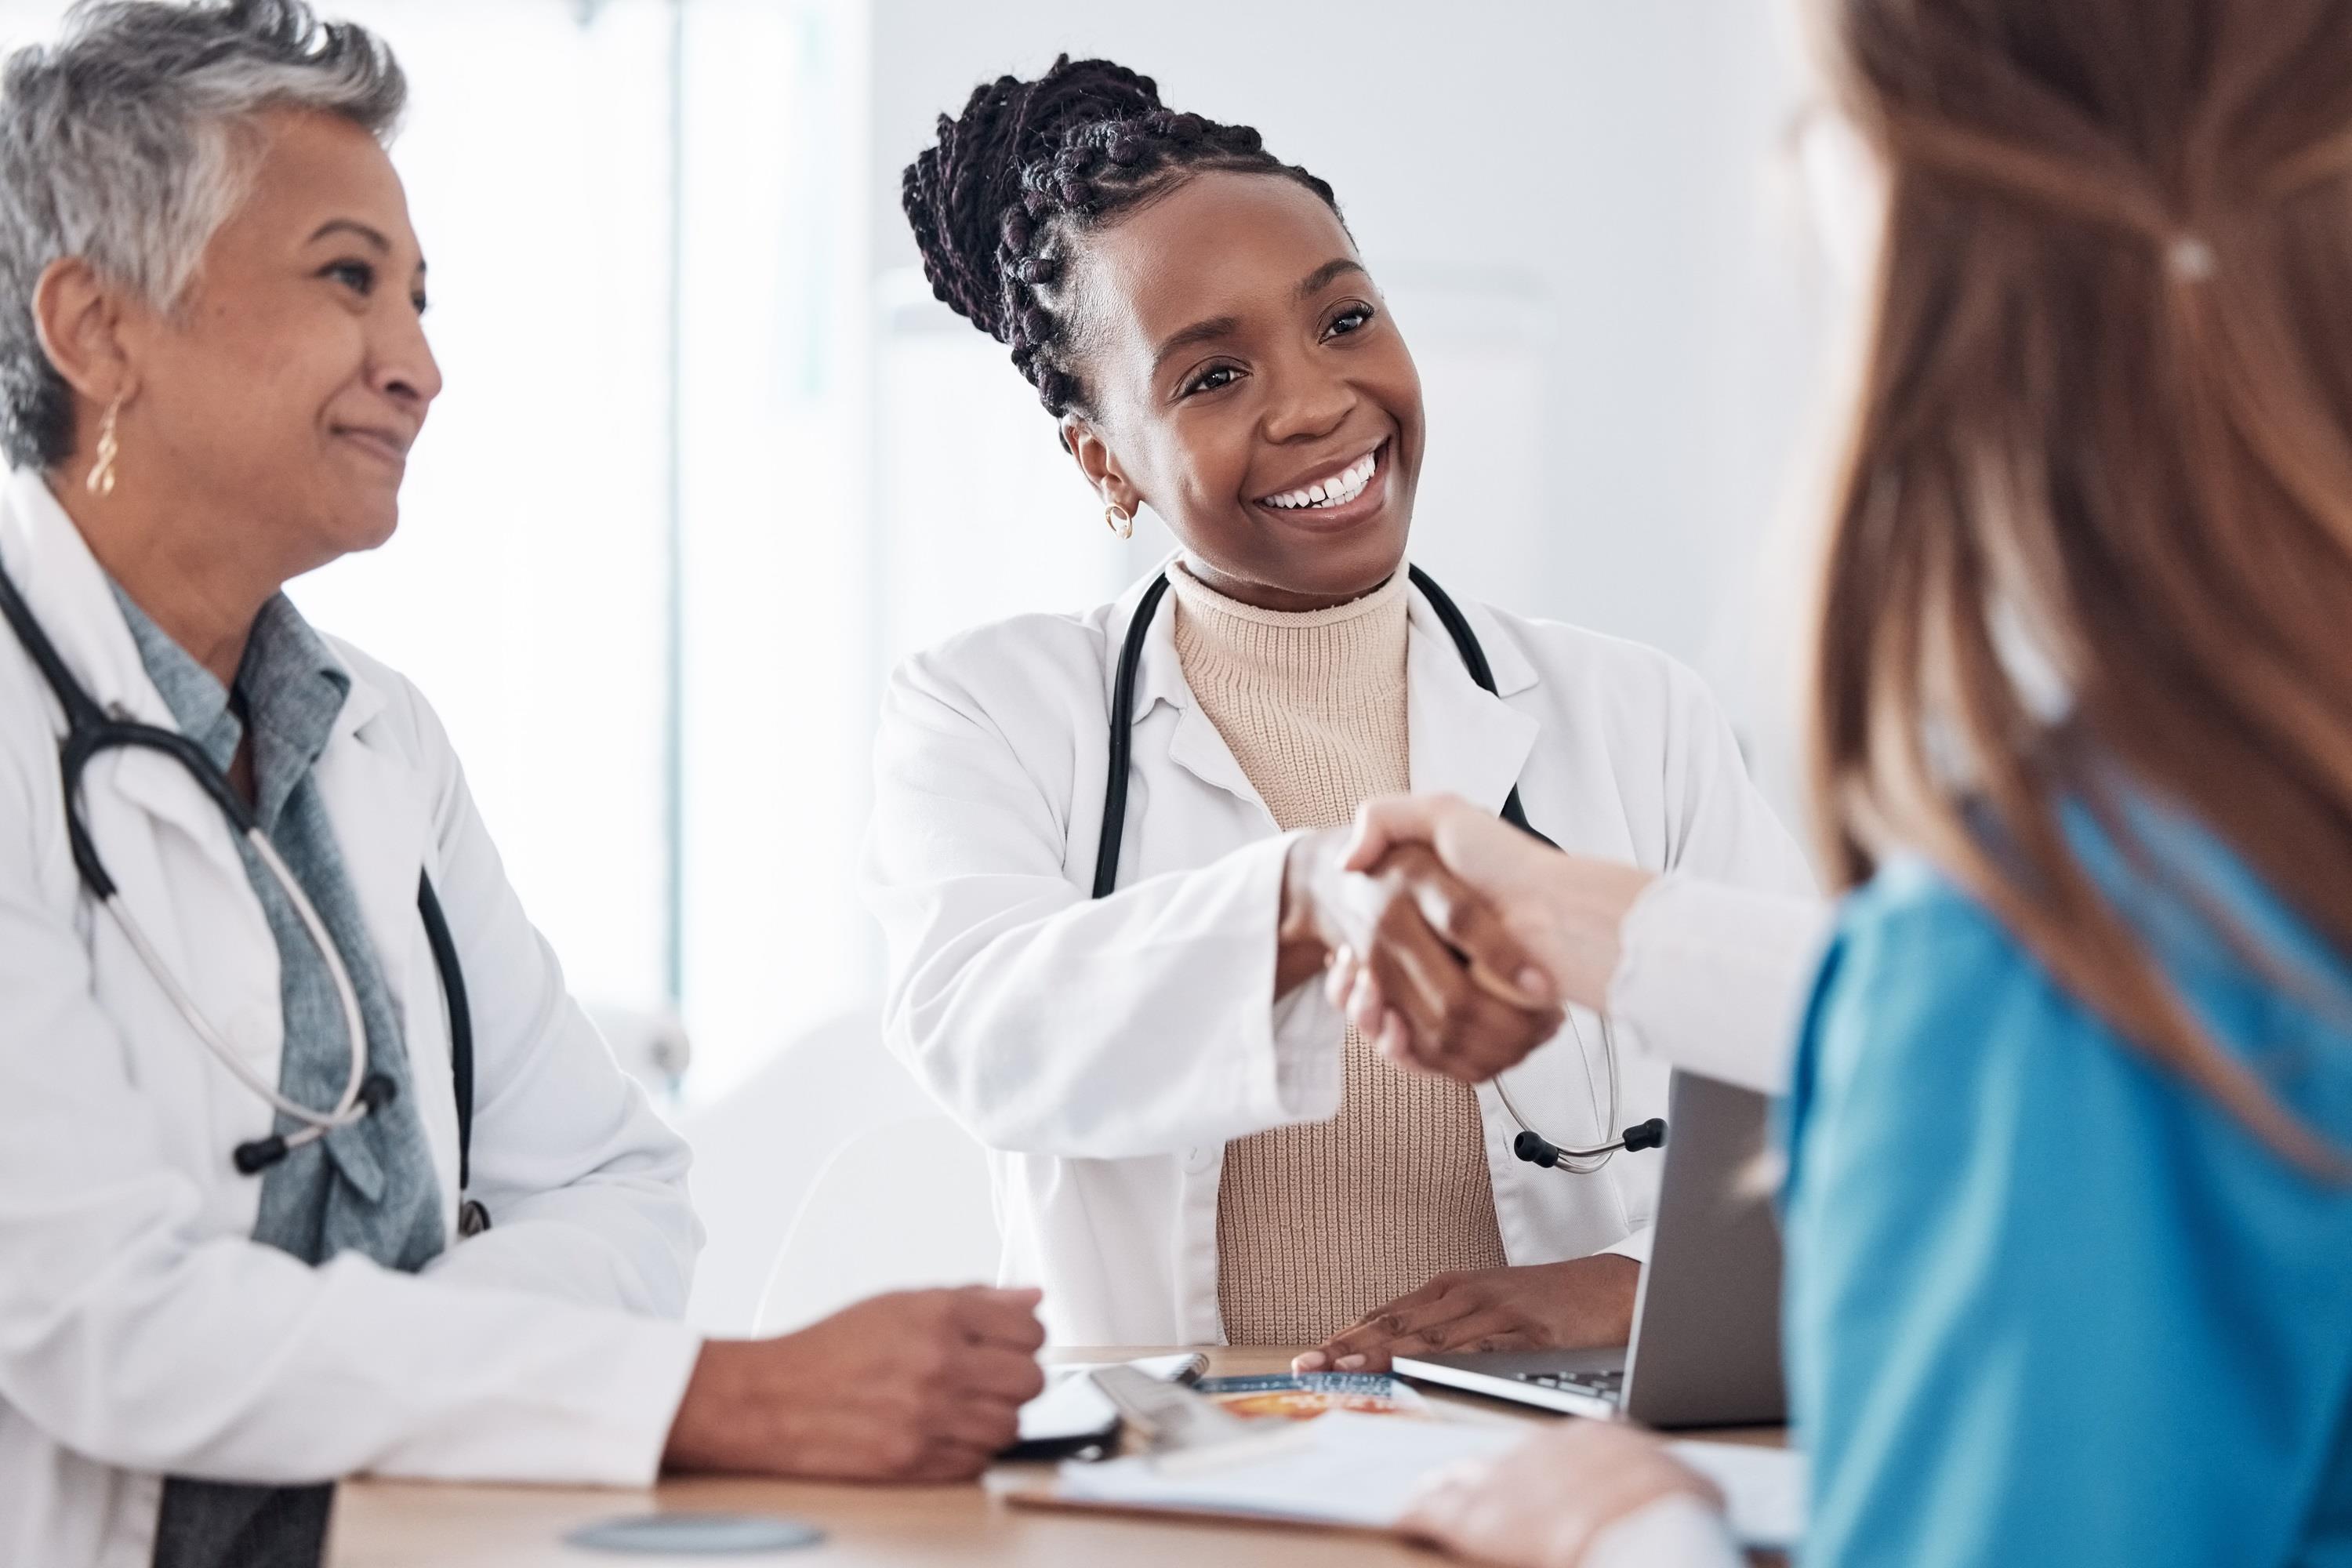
(1636, 1246)
(129, 1336)
(1712, 976)
(1050, 1023)
(1717, 954)
(585, 1185)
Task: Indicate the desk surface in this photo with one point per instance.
(410, 1524)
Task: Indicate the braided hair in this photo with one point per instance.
(998, 203)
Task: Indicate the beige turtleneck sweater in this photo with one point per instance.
(1319, 1224)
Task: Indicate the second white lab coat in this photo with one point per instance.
(143, 1333)
(1106, 1051)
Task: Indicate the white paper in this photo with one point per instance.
(1765, 1488)
(1350, 1468)
(1357, 1470)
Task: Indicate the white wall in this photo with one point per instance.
(1602, 170)
(1571, 205)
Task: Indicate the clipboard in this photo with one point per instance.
(1343, 1472)
(1359, 1472)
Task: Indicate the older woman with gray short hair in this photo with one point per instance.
(309, 1164)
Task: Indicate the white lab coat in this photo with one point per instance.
(142, 1331)
(1106, 1051)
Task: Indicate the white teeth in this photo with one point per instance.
(1337, 490)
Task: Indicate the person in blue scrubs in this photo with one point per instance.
(2049, 1302)
(2069, 1210)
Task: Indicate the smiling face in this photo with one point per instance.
(288, 385)
(1247, 384)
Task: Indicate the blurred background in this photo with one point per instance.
(711, 458)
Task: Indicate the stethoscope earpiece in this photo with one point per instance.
(257, 1156)
(378, 1091)
(1536, 1149)
(253, 1158)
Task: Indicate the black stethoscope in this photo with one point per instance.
(91, 730)
(1529, 1145)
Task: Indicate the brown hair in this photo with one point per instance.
(2106, 412)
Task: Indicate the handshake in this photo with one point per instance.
(1452, 939)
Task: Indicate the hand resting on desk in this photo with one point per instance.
(1587, 1302)
(923, 1385)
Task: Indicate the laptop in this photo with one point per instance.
(1707, 1321)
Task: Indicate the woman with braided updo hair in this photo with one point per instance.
(1189, 1142)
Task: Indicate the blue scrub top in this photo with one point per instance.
(2047, 1302)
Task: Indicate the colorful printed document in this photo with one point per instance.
(1302, 1395)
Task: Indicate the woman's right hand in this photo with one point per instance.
(922, 1385)
(1462, 995)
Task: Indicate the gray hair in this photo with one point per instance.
(121, 143)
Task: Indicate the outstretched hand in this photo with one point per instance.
(1563, 910)
(1460, 995)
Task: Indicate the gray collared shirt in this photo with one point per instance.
(289, 686)
(370, 1187)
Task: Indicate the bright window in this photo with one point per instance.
(632, 572)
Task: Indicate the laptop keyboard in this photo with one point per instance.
(1609, 1384)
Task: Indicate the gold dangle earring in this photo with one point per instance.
(102, 473)
(1120, 520)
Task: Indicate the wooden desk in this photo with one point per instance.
(411, 1524)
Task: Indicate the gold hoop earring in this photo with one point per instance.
(101, 471)
(1120, 520)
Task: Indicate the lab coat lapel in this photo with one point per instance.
(68, 593)
(1194, 744)
(1201, 751)
(1464, 740)
(163, 789)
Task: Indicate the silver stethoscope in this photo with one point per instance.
(1529, 1145)
(90, 730)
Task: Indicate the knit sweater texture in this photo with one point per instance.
(1320, 1223)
